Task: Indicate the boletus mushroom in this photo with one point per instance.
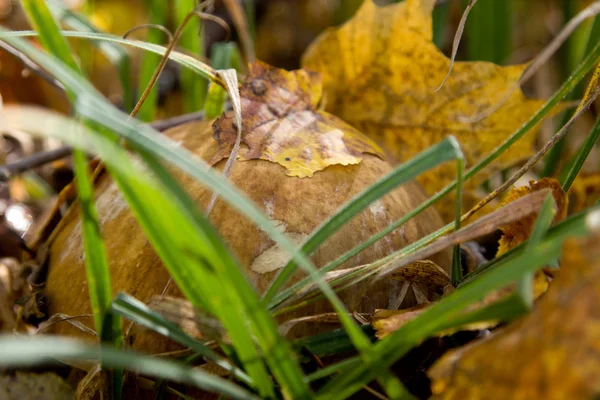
(298, 164)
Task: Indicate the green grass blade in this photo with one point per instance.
(222, 58)
(182, 59)
(575, 165)
(115, 54)
(194, 89)
(588, 33)
(489, 31)
(96, 263)
(159, 11)
(25, 352)
(136, 311)
(440, 22)
(456, 275)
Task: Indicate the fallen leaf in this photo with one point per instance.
(282, 124)
(387, 321)
(425, 272)
(517, 232)
(380, 71)
(550, 354)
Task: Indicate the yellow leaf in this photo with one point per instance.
(550, 354)
(585, 191)
(517, 232)
(282, 124)
(380, 71)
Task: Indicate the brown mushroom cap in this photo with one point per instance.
(298, 206)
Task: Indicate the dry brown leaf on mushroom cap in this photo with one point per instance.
(552, 353)
(380, 71)
(282, 124)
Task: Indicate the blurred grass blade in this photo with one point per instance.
(446, 150)
(136, 311)
(575, 165)
(182, 59)
(115, 54)
(589, 33)
(26, 352)
(96, 264)
(192, 39)
(440, 22)
(489, 29)
(159, 11)
(441, 314)
(223, 56)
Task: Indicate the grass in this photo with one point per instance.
(264, 364)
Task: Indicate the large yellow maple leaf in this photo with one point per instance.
(552, 353)
(380, 71)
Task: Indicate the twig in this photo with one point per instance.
(241, 26)
(45, 157)
(31, 65)
(163, 61)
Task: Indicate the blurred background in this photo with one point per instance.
(499, 31)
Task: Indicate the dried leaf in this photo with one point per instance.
(425, 272)
(387, 321)
(282, 124)
(550, 354)
(517, 232)
(380, 71)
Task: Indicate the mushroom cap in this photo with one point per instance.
(297, 205)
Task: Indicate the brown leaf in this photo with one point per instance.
(387, 321)
(425, 272)
(517, 232)
(550, 354)
(282, 124)
(380, 71)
